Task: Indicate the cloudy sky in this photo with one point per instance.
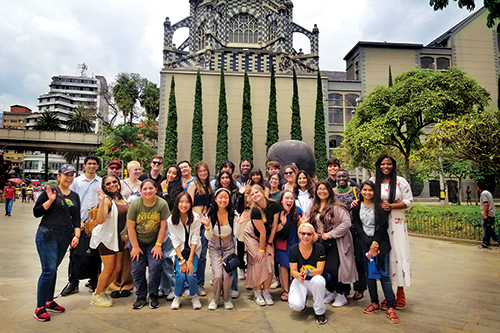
(40, 39)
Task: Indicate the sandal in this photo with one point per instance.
(284, 296)
(393, 317)
(401, 299)
(372, 308)
(357, 296)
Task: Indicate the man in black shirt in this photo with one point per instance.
(155, 173)
(333, 166)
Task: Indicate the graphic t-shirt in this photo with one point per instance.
(317, 255)
(148, 219)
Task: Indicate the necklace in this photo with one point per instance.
(343, 190)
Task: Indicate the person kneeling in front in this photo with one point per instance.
(310, 257)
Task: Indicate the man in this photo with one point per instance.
(186, 176)
(224, 166)
(9, 195)
(488, 214)
(155, 173)
(115, 168)
(333, 166)
(86, 186)
(245, 168)
(273, 168)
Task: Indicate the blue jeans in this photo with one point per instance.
(488, 231)
(8, 205)
(51, 254)
(385, 281)
(139, 271)
(183, 278)
(167, 265)
(202, 262)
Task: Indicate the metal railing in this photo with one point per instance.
(452, 226)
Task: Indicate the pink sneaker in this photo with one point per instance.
(41, 314)
(54, 307)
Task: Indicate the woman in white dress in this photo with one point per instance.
(396, 195)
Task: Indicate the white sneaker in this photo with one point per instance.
(275, 284)
(195, 300)
(171, 295)
(235, 294)
(213, 305)
(340, 301)
(330, 297)
(267, 297)
(241, 274)
(176, 303)
(100, 301)
(258, 298)
(228, 305)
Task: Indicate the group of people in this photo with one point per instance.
(27, 193)
(318, 237)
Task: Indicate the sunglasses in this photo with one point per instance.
(157, 163)
(306, 234)
(115, 168)
(109, 183)
(289, 173)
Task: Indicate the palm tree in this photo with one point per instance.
(81, 120)
(48, 121)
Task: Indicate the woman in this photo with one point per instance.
(221, 230)
(286, 237)
(290, 173)
(304, 191)
(112, 220)
(201, 192)
(36, 192)
(332, 221)
(257, 178)
(184, 229)
(259, 238)
(146, 226)
(224, 180)
(370, 223)
(171, 186)
(396, 195)
(275, 186)
(59, 208)
(307, 262)
(131, 185)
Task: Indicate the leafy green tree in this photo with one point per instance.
(396, 116)
(221, 149)
(150, 98)
(81, 120)
(390, 77)
(272, 119)
(197, 129)
(491, 5)
(320, 133)
(296, 130)
(246, 142)
(48, 121)
(171, 130)
(126, 93)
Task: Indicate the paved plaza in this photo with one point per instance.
(456, 288)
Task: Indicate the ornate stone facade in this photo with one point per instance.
(239, 35)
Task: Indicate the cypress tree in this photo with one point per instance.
(246, 142)
(320, 133)
(171, 131)
(221, 153)
(390, 77)
(197, 129)
(296, 130)
(498, 97)
(272, 119)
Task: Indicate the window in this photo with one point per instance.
(272, 31)
(443, 63)
(243, 28)
(335, 141)
(335, 109)
(201, 36)
(427, 63)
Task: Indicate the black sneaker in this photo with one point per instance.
(70, 289)
(321, 319)
(153, 301)
(139, 303)
(115, 294)
(125, 293)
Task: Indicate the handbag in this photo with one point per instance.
(91, 222)
(186, 251)
(231, 262)
(373, 268)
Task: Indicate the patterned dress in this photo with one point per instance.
(398, 233)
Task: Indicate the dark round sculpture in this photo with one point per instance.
(293, 151)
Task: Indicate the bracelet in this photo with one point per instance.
(270, 244)
(262, 250)
(157, 243)
(182, 263)
(207, 228)
(165, 191)
(77, 236)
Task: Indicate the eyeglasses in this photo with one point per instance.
(115, 168)
(306, 234)
(157, 163)
(109, 183)
(289, 173)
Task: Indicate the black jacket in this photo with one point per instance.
(380, 236)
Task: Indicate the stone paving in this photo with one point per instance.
(456, 288)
